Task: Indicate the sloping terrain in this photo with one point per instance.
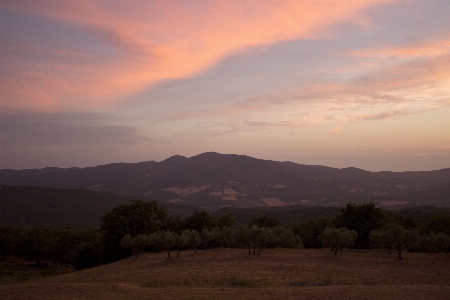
(39, 207)
(212, 181)
(233, 274)
(51, 208)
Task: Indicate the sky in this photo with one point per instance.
(340, 83)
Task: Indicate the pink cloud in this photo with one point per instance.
(157, 41)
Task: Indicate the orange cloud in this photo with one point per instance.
(158, 40)
(336, 130)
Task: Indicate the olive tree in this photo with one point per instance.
(338, 238)
(207, 236)
(260, 237)
(284, 237)
(163, 240)
(194, 239)
(382, 238)
(135, 218)
(397, 237)
(439, 242)
(137, 244)
(181, 240)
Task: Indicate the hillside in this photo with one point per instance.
(233, 274)
(212, 181)
(50, 208)
(38, 207)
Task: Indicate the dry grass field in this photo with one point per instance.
(233, 274)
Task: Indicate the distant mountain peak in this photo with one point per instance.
(174, 158)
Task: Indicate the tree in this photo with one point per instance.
(382, 238)
(226, 220)
(137, 244)
(135, 218)
(227, 236)
(200, 220)
(194, 239)
(363, 219)
(284, 237)
(310, 232)
(207, 236)
(219, 237)
(163, 240)
(87, 255)
(404, 239)
(260, 237)
(264, 221)
(338, 238)
(242, 237)
(181, 240)
(438, 224)
(438, 242)
(35, 245)
(400, 238)
(6, 241)
(65, 242)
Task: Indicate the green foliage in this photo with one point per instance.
(259, 237)
(226, 220)
(65, 242)
(207, 236)
(87, 255)
(6, 241)
(50, 208)
(200, 220)
(242, 237)
(163, 240)
(135, 218)
(35, 245)
(435, 242)
(284, 237)
(194, 239)
(437, 224)
(382, 238)
(223, 236)
(265, 221)
(397, 238)
(310, 232)
(181, 240)
(404, 239)
(338, 238)
(422, 214)
(294, 214)
(362, 218)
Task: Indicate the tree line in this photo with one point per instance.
(132, 229)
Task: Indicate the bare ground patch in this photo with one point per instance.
(273, 202)
(187, 191)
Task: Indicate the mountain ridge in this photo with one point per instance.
(212, 180)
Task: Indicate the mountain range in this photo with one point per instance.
(212, 181)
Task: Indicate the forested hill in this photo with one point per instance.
(212, 181)
(50, 208)
(40, 207)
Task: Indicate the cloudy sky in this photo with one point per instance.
(362, 83)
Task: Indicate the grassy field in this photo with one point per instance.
(233, 274)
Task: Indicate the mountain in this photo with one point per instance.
(212, 181)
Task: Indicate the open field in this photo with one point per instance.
(233, 274)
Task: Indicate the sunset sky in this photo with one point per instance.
(340, 83)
